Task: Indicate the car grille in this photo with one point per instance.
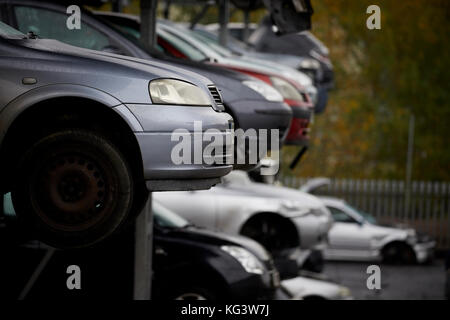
(216, 96)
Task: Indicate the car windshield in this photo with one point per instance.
(184, 47)
(166, 218)
(8, 208)
(362, 215)
(9, 32)
(213, 44)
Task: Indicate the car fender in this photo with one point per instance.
(391, 236)
(17, 106)
(234, 211)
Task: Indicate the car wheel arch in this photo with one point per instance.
(287, 227)
(45, 93)
(402, 244)
(44, 115)
(394, 242)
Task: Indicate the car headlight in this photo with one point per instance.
(248, 261)
(171, 91)
(344, 293)
(264, 89)
(287, 90)
(309, 64)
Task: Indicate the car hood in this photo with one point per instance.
(285, 59)
(379, 231)
(137, 66)
(204, 236)
(269, 68)
(271, 191)
(228, 81)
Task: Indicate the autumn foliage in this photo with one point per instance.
(382, 77)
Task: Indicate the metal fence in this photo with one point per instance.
(427, 209)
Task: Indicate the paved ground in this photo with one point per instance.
(397, 282)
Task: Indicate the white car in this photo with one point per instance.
(304, 288)
(281, 219)
(354, 237)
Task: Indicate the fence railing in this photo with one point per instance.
(427, 210)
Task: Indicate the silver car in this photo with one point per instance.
(287, 222)
(85, 134)
(354, 237)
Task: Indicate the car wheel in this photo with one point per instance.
(272, 231)
(398, 253)
(73, 188)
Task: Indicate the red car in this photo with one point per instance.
(296, 97)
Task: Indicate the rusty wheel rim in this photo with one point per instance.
(73, 191)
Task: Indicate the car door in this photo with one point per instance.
(347, 237)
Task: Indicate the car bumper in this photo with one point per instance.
(255, 287)
(313, 231)
(251, 114)
(370, 255)
(290, 261)
(157, 141)
(424, 251)
(298, 132)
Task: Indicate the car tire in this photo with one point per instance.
(398, 253)
(272, 231)
(73, 188)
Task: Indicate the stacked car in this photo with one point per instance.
(87, 120)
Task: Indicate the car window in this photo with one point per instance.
(213, 44)
(8, 32)
(8, 208)
(364, 215)
(341, 216)
(48, 24)
(184, 47)
(236, 32)
(131, 33)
